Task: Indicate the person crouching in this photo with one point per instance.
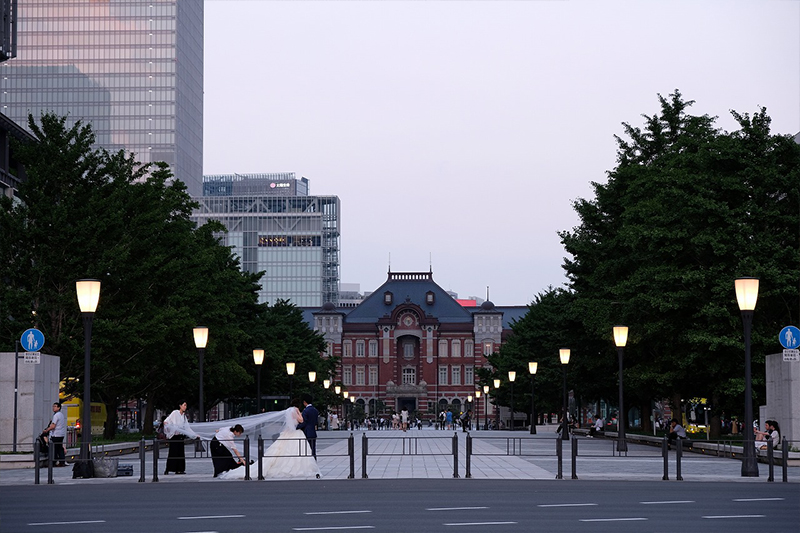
(223, 449)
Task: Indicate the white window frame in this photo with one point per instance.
(347, 375)
(455, 375)
(443, 373)
(360, 347)
(455, 348)
(409, 375)
(360, 375)
(373, 348)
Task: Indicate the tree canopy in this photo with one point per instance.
(687, 209)
(87, 213)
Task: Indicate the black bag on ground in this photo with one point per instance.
(83, 469)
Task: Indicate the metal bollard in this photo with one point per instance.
(770, 463)
(665, 455)
(364, 452)
(559, 453)
(246, 457)
(36, 452)
(785, 460)
(51, 450)
(678, 456)
(260, 458)
(156, 447)
(574, 442)
(351, 451)
(141, 460)
(468, 461)
(455, 455)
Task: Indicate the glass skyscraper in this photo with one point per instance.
(276, 227)
(131, 68)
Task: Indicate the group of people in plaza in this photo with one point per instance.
(287, 457)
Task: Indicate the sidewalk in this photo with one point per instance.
(428, 454)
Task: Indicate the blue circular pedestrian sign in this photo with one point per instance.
(789, 337)
(32, 340)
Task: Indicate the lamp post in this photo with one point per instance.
(511, 377)
(258, 359)
(532, 367)
(496, 383)
(621, 339)
(747, 295)
(312, 377)
(477, 408)
(290, 370)
(469, 408)
(338, 390)
(88, 296)
(346, 396)
(485, 407)
(563, 354)
(200, 341)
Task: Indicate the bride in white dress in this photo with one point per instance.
(288, 457)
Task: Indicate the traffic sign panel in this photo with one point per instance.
(790, 337)
(32, 340)
(791, 355)
(33, 358)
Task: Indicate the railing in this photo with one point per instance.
(410, 446)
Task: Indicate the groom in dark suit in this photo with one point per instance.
(309, 424)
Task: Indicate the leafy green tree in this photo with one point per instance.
(85, 213)
(688, 209)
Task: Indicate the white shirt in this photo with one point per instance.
(60, 423)
(226, 437)
(598, 424)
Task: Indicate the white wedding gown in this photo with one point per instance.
(288, 457)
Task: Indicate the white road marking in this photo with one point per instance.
(735, 516)
(454, 508)
(611, 519)
(330, 528)
(338, 512)
(210, 517)
(758, 499)
(479, 523)
(67, 523)
(566, 505)
(667, 501)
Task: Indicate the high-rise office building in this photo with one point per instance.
(276, 227)
(131, 68)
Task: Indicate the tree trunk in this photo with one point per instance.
(647, 412)
(110, 429)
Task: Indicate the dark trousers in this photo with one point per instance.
(313, 443)
(58, 450)
(176, 458)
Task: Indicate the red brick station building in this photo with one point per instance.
(411, 345)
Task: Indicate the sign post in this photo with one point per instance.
(789, 338)
(32, 341)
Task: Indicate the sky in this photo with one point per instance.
(458, 134)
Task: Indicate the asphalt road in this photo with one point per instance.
(405, 505)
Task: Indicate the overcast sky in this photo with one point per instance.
(462, 131)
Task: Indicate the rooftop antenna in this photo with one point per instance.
(487, 293)
(390, 262)
(430, 262)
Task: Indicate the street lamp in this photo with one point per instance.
(326, 383)
(485, 407)
(88, 295)
(747, 295)
(477, 408)
(511, 377)
(312, 377)
(338, 390)
(563, 354)
(532, 367)
(496, 383)
(200, 341)
(621, 339)
(345, 395)
(290, 371)
(258, 359)
(469, 408)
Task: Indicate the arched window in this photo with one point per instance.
(442, 348)
(469, 348)
(455, 348)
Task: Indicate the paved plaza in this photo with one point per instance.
(428, 454)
